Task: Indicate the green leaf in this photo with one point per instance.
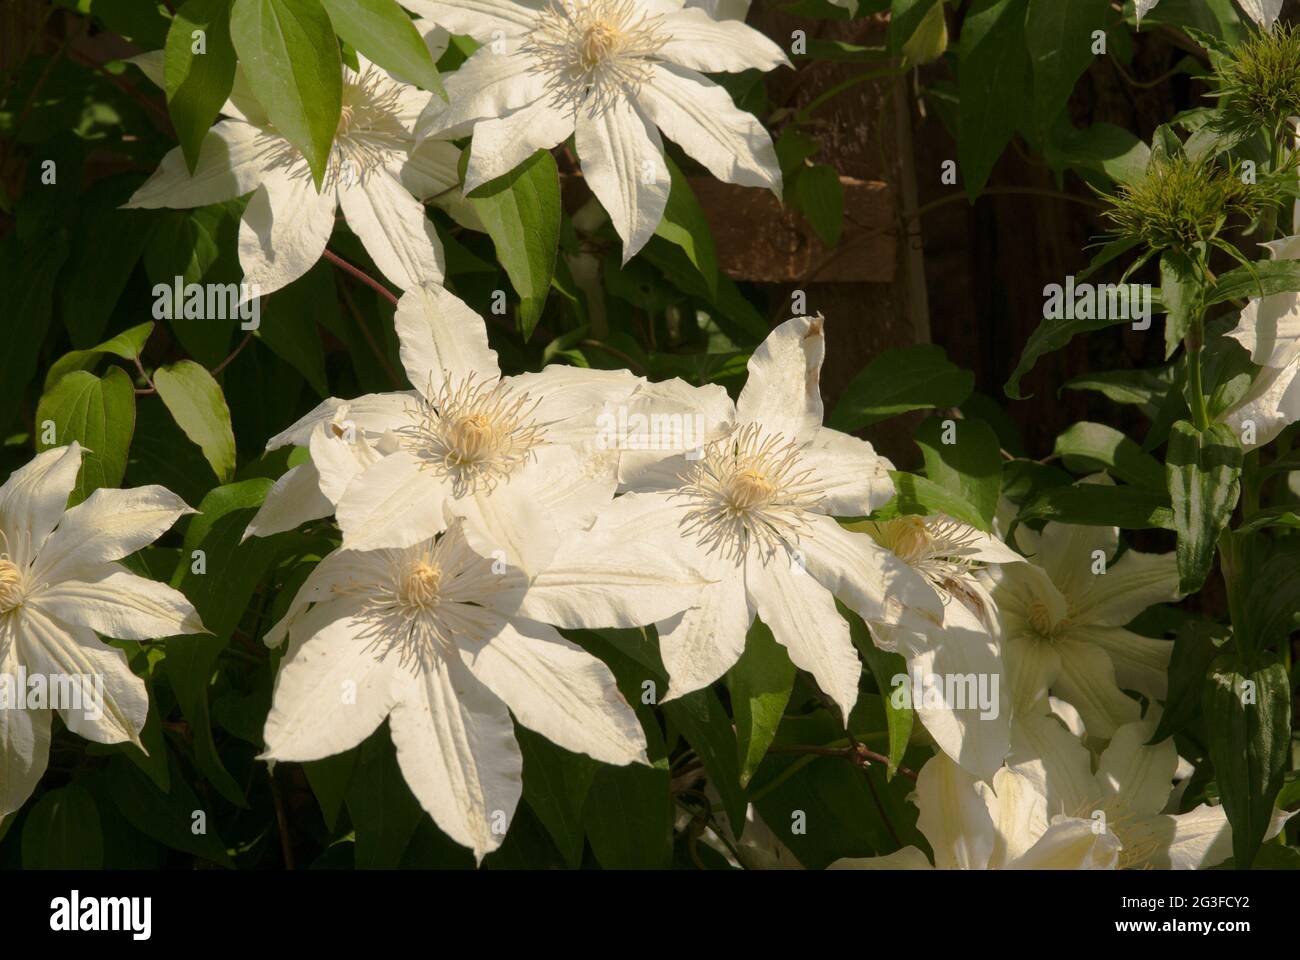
(685, 226)
(197, 404)
(29, 271)
(1195, 648)
(1101, 505)
(993, 73)
(1051, 335)
(100, 415)
(1098, 445)
(819, 194)
(383, 811)
(1263, 278)
(556, 783)
(288, 52)
(970, 466)
(1059, 36)
(884, 667)
(1204, 476)
(760, 683)
(707, 728)
(128, 344)
(922, 496)
(899, 380)
(166, 817)
(1248, 722)
(288, 324)
(1104, 148)
(198, 83)
(521, 212)
(1179, 291)
(330, 779)
(62, 832)
(629, 817)
(384, 33)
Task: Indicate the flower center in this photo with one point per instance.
(474, 433)
(749, 488)
(419, 588)
(595, 49)
(1040, 618)
(12, 586)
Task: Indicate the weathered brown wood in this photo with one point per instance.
(761, 240)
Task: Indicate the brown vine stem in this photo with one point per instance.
(358, 274)
(856, 752)
(615, 352)
(234, 353)
(1006, 192)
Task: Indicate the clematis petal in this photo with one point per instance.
(334, 691)
(803, 618)
(480, 18)
(457, 750)
(503, 143)
(1130, 585)
(24, 744)
(1138, 776)
(108, 525)
(1141, 663)
(234, 159)
(33, 499)
(1053, 760)
(76, 655)
(703, 642)
(568, 401)
(851, 478)
(954, 817)
(633, 568)
(375, 413)
(702, 43)
(1069, 553)
(1033, 666)
(783, 391)
(488, 85)
(557, 689)
(700, 117)
(293, 500)
(1071, 843)
(976, 734)
(433, 168)
(1087, 680)
(443, 341)
(393, 503)
(116, 603)
(908, 858)
(622, 161)
(285, 228)
(1196, 840)
(395, 231)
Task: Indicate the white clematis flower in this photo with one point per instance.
(1263, 12)
(1006, 826)
(431, 637)
(517, 454)
(613, 73)
(967, 643)
(376, 175)
(1127, 795)
(60, 585)
(1063, 624)
(1270, 329)
(753, 514)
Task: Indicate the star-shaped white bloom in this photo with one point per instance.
(967, 643)
(753, 513)
(518, 454)
(972, 825)
(613, 73)
(1127, 795)
(376, 174)
(432, 637)
(1063, 619)
(59, 587)
(1269, 328)
(1263, 12)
